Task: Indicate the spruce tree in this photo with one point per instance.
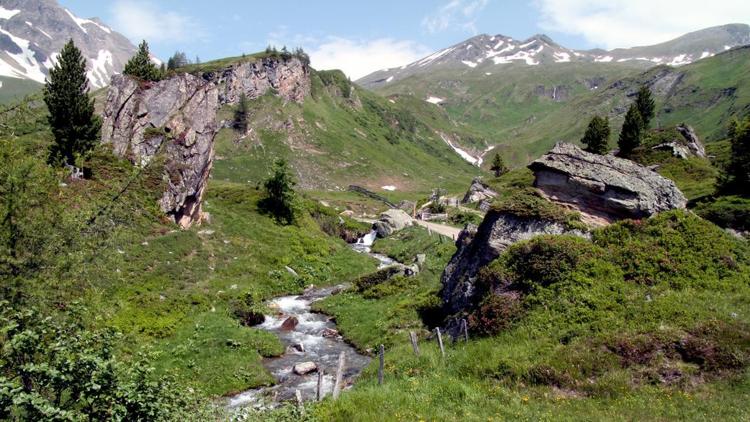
(241, 114)
(645, 103)
(141, 66)
(737, 177)
(597, 134)
(498, 166)
(630, 136)
(71, 111)
(279, 200)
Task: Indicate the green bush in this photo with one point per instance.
(495, 314)
(726, 211)
(528, 203)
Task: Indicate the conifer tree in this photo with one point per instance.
(646, 106)
(597, 134)
(71, 111)
(498, 166)
(241, 114)
(630, 136)
(141, 66)
(279, 200)
(737, 177)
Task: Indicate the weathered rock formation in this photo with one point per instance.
(690, 145)
(478, 246)
(392, 221)
(478, 191)
(175, 117)
(604, 186)
(289, 79)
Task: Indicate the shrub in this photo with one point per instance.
(280, 196)
(546, 260)
(246, 310)
(495, 314)
(727, 211)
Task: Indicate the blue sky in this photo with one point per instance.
(360, 37)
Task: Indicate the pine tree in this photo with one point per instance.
(645, 103)
(498, 166)
(178, 60)
(737, 177)
(597, 134)
(71, 111)
(241, 114)
(632, 131)
(279, 200)
(141, 65)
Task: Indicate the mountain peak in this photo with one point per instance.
(32, 32)
(489, 54)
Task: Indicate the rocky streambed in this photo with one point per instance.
(312, 344)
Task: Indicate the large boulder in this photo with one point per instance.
(175, 117)
(693, 143)
(478, 246)
(604, 185)
(392, 221)
(478, 191)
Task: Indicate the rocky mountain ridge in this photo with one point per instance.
(488, 52)
(32, 32)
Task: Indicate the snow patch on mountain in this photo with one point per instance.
(25, 60)
(80, 22)
(434, 100)
(465, 155)
(99, 73)
(469, 63)
(7, 14)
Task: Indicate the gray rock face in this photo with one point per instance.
(693, 143)
(478, 246)
(392, 221)
(604, 186)
(34, 32)
(289, 79)
(478, 191)
(174, 116)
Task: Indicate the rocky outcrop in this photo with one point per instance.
(174, 117)
(392, 221)
(693, 143)
(289, 79)
(603, 186)
(689, 146)
(478, 246)
(478, 191)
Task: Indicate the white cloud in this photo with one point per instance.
(455, 14)
(358, 58)
(628, 23)
(144, 20)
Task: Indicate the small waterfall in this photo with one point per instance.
(368, 239)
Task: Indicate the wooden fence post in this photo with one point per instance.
(319, 394)
(440, 341)
(339, 376)
(414, 345)
(465, 329)
(381, 355)
(300, 403)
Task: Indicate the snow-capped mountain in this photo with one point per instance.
(32, 32)
(489, 53)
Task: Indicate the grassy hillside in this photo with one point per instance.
(514, 107)
(12, 89)
(343, 135)
(603, 333)
(101, 248)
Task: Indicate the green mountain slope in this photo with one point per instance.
(526, 109)
(13, 88)
(344, 135)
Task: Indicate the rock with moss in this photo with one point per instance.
(478, 246)
(604, 186)
(478, 191)
(175, 118)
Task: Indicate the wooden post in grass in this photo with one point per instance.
(319, 393)
(440, 341)
(414, 345)
(339, 376)
(381, 355)
(465, 329)
(300, 404)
